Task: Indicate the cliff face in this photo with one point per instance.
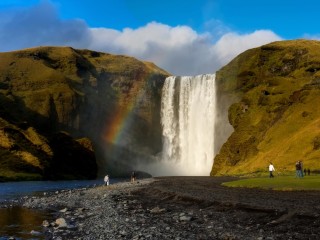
(84, 93)
(273, 93)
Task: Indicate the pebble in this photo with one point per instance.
(61, 223)
(63, 210)
(35, 233)
(185, 218)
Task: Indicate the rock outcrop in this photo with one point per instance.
(273, 93)
(59, 94)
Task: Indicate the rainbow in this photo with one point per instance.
(117, 125)
(123, 116)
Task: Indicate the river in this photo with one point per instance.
(21, 223)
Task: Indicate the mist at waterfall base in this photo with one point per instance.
(188, 122)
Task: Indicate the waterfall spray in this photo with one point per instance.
(188, 118)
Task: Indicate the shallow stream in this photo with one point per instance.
(22, 223)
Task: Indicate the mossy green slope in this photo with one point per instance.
(275, 90)
(281, 183)
(79, 92)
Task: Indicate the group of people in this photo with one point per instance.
(299, 170)
(107, 179)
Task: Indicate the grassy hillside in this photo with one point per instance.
(80, 93)
(275, 90)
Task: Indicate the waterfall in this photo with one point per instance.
(188, 118)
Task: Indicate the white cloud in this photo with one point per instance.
(179, 50)
(231, 44)
(312, 37)
(40, 25)
(175, 49)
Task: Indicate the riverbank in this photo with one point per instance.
(179, 208)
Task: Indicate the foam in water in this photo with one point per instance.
(187, 118)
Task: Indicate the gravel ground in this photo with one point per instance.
(179, 208)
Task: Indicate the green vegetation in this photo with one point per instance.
(274, 112)
(45, 91)
(282, 183)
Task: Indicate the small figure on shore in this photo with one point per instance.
(308, 171)
(106, 180)
(298, 167)
(133, 176)
(271, 169)
(299, 172)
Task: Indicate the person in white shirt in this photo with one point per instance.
(271, 169)
(106, 180)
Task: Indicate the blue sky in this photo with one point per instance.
(184, 37)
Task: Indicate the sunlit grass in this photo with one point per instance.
(282, 183)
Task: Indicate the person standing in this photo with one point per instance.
(271, 169)
(106, 180)
(298, 168)
(133, 176)
(301, 169)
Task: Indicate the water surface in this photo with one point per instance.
(12, 190)
(22, 223)
(18, 222)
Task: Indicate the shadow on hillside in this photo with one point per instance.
(70, 159)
